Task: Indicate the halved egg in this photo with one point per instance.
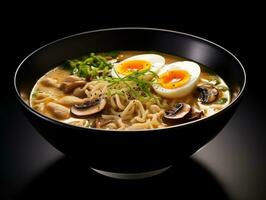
(177, 79)
(140, 62)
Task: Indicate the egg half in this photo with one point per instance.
(140, 62)
(177, 79)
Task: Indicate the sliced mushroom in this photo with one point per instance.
(88, 107)
(207, 94)
(70, 100)
(195, 114)
(73, 78)
(68, 87)
(58, 111)
(79, 92)
(178, 112)
(50, 82)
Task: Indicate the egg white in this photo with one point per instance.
(157, 62)
(191, 67)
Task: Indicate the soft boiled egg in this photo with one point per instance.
(177, 79)
(140, 62)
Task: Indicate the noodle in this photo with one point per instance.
(127, 105)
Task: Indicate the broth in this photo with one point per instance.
(116, 91)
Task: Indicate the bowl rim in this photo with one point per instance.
(182, 125)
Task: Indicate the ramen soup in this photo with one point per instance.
(129, 90)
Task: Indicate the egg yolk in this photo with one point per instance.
(131, 66)
(174, 79)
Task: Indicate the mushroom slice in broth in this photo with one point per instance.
(89, 107)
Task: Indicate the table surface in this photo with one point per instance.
(231, 166)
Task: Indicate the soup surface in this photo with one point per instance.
(129, 90)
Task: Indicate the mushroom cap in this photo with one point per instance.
(79, 92)
(195, 114)
(207, 94)
(89, 107)
(57, 110)
(68, 87)
(70, 100)
(179, 111)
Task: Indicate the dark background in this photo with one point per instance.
(231, 166)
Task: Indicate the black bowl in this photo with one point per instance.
(130, 151)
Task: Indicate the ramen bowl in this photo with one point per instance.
(136, 153)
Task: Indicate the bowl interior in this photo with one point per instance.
(183, 45)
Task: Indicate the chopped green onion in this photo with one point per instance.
(86, 66)
(138, 87)
(222, 88)
(222, 100)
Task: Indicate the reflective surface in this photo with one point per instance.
(230, 167)
(179, 181)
